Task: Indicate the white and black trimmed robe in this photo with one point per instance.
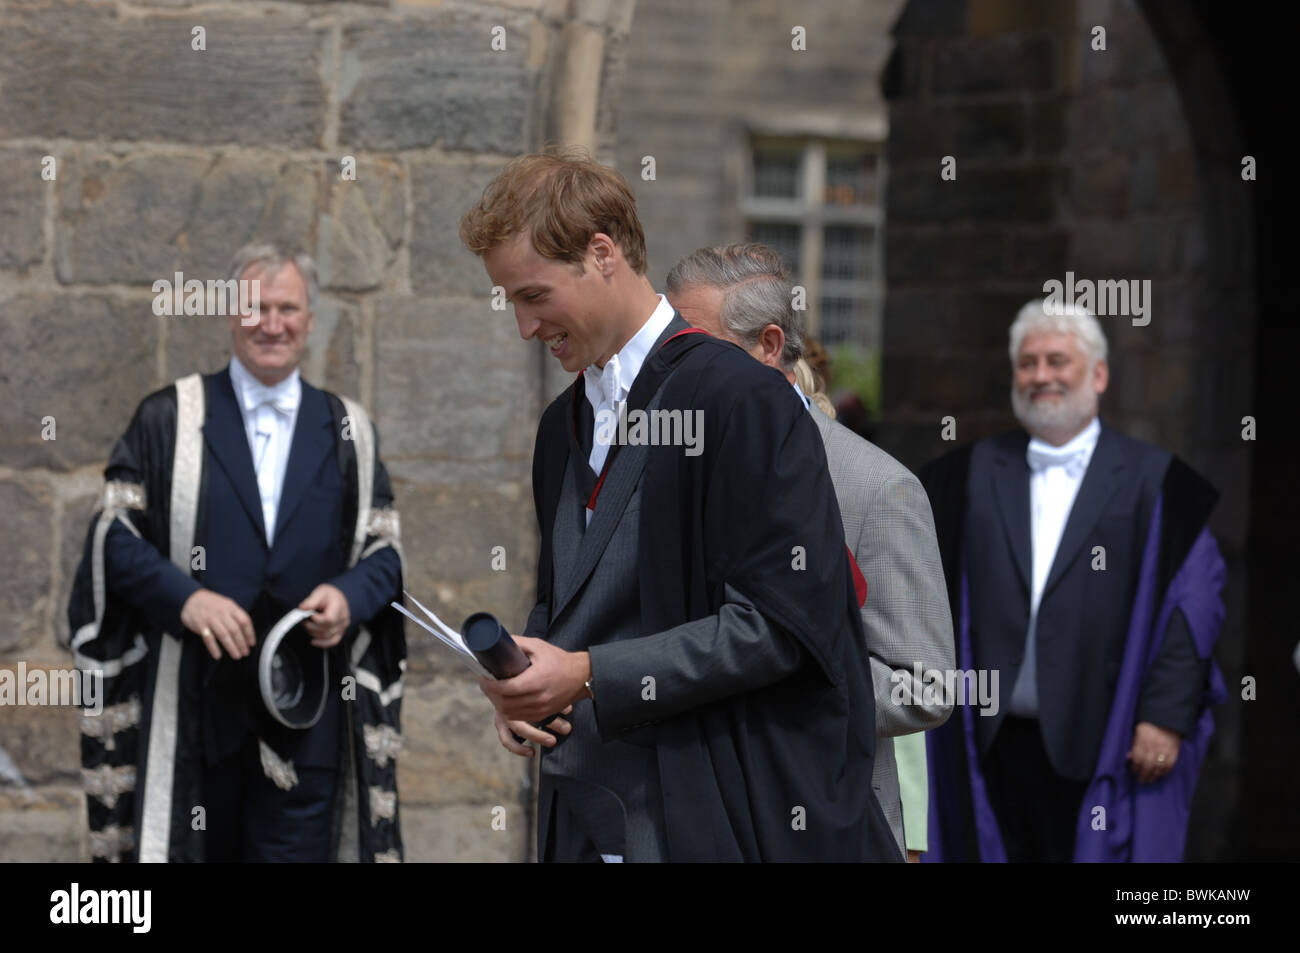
(142, 757)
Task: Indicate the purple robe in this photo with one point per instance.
(1141, 822)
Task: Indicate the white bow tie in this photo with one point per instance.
(611, 383)
(1040, 459)
(280, 397)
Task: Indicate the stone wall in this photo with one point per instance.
(170, 157)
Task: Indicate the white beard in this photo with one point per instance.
(1056, 422)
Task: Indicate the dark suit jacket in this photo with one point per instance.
(311, 547)
(1084, 612)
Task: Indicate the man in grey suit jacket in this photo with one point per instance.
(741, 293)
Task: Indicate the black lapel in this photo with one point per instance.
(223, 429)
(1104, 476)
(313, 438)
(580, 432)
(621, 479)
(1010, 485)
(624, 464)
(1188, 500)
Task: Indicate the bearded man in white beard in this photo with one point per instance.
(1080, 568)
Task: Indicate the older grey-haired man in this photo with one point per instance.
(742, 293)
(1081, 568)
(232, 498)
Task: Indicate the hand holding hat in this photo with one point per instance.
(332, 615)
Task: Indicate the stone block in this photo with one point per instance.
(84, 360)
(1177, 177)
(989, 130)
(461, 833)
(407, 84)
(24, 565)
(1147, 116)
(22, 208)
(978, 195)
(1100, 187)
(455, 383)
(117, 218)
(997, 17)
(450, 750)
(441, 194)
(449, 536)
(364, 225)
(196, 344)
(927, 254)
(43, 742)
(903, 78)
(79, 71)
(1037, 254)
(955, 382)
(1090, 120)
(141, 219)
(77, 511)
(919, 131)
(1047, 126)
(1015, 63)
(934, 18)
(332, 359)
(47, 825)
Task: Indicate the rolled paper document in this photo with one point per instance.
(492, 645)
(496, 651)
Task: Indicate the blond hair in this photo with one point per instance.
(811, 385)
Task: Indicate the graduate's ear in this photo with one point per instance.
(604, 252)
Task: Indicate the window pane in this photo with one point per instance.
(848, 253)
(851, 179)
(776, 173)
(784, 238)
(845, 320)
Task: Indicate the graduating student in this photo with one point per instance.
(229, 494)
(1080, 566)
(695, 602)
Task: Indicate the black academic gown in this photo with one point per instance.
(782, 773)
(119, 639)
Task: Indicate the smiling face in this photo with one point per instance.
(1055, 392)
(565, 305)
(272, 346)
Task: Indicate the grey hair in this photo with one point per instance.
(755, 292)
(1042, 315)
(272, 256)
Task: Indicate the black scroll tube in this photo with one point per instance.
(496, 651)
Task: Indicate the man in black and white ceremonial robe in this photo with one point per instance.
(228, 491)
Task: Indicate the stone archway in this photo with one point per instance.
(1114, 164)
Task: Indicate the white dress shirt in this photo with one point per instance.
(269, 416)
(1056, 474)
(807, 404)
(607, 388)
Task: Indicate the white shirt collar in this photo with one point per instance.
(251, 392)
(1085, 440)
(633, 354)
(807, 404)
